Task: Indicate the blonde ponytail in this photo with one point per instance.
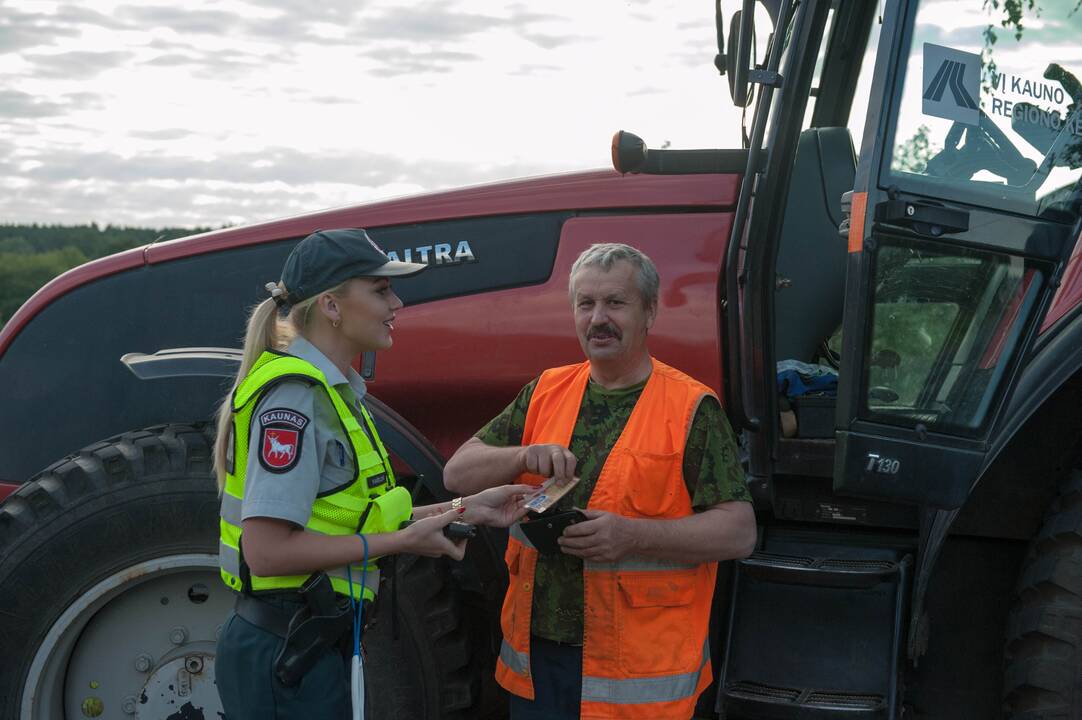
(266, 331)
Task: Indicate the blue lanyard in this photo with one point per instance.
(358, 607)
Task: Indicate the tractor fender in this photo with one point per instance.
(1030, 451)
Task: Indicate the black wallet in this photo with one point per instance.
(546, 529)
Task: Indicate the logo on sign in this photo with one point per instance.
(281, 433)
(951, 82)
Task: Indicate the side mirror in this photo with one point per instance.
(740, 53)
(628, 152)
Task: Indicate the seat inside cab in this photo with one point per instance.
(811, 265)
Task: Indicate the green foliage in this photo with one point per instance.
(32, 255)
(21, 274)
(913, 154)
(1013, 14)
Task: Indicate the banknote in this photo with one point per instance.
(548, 493)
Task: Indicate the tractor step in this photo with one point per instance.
(815, 637)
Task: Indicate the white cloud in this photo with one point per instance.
(255, 110)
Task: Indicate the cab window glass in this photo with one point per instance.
(945, 323)
(991, 106)
(858, 111)
(817, 75)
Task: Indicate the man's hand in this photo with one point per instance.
(602, 537)
(554, 461)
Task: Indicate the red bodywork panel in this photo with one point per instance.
(458, 361)
(598, 189)
(1069, 294)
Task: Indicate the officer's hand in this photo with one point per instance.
(425, 537)
(554, 461)
(602, 537)
(499, 506)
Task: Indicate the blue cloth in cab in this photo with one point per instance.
(797, 378)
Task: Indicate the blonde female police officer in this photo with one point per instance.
(307, 487)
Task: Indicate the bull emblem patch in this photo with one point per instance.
(281, 432)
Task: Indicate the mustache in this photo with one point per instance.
(604, 329)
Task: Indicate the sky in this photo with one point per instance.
(205, 113)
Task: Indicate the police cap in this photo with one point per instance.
(327, 258)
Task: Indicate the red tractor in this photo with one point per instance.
(896, 335)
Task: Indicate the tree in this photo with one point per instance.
(21, 275)
(913, 154)
(32, 255)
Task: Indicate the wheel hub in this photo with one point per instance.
(180, 689)
(140, 644)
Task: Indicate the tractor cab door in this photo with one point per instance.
(964, 210)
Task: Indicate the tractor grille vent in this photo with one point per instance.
(783, 560)
(865, 565)
(764, 691)
(845, 700)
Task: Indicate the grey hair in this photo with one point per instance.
(605, 255)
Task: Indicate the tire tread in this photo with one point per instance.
(1043, 658)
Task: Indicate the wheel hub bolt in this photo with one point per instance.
(193, 664)
(143, 663)
(128, 705)
(178, 635)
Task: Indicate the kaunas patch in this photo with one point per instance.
(280, 434)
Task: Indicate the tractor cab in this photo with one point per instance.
(915, 273)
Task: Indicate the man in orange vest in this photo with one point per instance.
(615, 624)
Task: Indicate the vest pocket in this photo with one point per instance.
(653, 483)
(389, 510)
(653, 618)
(372, 469)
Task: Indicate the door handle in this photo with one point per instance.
(927, 219)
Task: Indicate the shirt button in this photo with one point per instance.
(525, 586)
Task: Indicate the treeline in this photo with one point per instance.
(32, 255)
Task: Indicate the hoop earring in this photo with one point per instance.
(336, 323)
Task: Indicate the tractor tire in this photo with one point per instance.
(110, 599)
(1043, 658)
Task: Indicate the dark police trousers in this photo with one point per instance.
(244, 673)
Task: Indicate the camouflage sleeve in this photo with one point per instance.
(712, 467)
(506, 429)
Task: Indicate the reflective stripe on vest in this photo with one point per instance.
(636, 691)
(337, 513)
(626, 691)
(519, 662)
(654, 662)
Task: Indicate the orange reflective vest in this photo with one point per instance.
(645, 653)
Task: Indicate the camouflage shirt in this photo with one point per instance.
(712, 472)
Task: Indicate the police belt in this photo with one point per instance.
(265, 615)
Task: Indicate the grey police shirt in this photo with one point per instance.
(298, 448)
